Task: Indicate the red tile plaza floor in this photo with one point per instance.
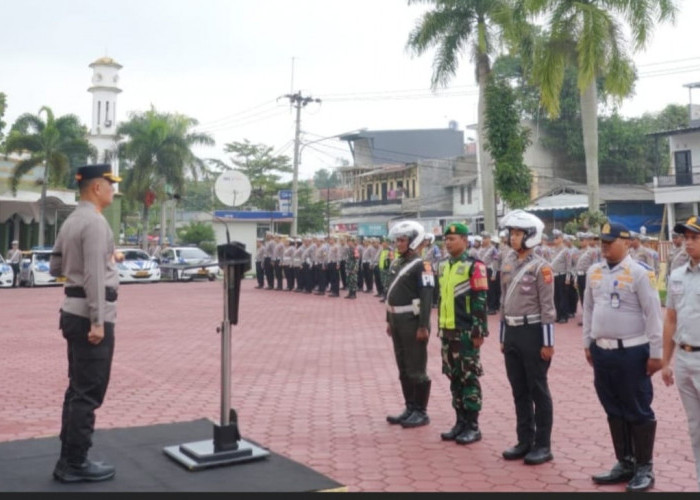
(313, 378)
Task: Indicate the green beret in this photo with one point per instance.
(456, 228)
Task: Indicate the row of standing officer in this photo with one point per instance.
(621, 338)
(314, 264)
(527, 336)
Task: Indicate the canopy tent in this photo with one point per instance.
(26, 205)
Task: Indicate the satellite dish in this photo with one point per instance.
(232, 188)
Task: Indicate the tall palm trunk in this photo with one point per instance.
(485, 161)
(589, 123)
(42, 205)
(144, 225)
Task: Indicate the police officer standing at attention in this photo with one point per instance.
(462, 328)
(352, 267)
(561, 265)
(14, 258)
(527, 336)
(84, 254)
(680, 329)
(623, 342)
(259, 260)
(409, 303)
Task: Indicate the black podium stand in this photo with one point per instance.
(227, 447)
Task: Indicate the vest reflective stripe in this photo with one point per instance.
(452, 277)
(383, 256)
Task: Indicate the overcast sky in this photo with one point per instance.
(228, 64)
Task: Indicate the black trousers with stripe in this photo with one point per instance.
(527, 374)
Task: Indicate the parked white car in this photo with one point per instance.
(188, 263)
(137, 266)
(34, 269)
(7, 275)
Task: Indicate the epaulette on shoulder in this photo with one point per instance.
(646, 266)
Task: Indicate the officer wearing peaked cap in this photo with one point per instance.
(84, 253)
(681, 331)
(622, 340)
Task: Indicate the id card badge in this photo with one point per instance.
(615, 300)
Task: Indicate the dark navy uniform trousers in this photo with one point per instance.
(621, 382)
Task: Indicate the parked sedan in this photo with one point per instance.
(188, 263)
(34, 269)
(7, 275)
(137, 266)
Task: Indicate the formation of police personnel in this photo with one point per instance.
(323, 265)
(621, 329)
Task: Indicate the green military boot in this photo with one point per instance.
(457, 429)
(470, 433)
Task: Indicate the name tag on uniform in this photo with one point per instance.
(615, 300)
(461, 270)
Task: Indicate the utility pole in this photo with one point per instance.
(299, 102)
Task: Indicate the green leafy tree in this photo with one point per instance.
(262, 168)
(196, 232)
(455, 27)
(507, 142)
(157, 148)
(325, 179)
(3, 108)
(589, 36)
(312, 215)
(52, 143)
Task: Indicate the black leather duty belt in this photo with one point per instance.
(689, 348)
(79, 292)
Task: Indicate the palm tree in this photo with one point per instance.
(456, 26)
(51, 143)
(589, 35)
(158, 148)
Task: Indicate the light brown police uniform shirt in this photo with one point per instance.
(533, 295)
(84, 254)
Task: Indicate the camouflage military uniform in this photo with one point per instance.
(462, 317)
(352, 265)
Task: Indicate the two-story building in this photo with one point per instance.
(679, 189)
(399, 174)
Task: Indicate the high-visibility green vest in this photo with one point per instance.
(454, 278)
(384, 259)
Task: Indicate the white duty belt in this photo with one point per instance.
(400, 309)
(529, 319)
(621, 343)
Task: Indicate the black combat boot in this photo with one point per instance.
(471, 432)
(419, 417)
(623, 470)
(643, 436)
(456, 429)
(351, 295)
(407, 389)
(74, 467)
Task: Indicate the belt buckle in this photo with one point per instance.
(607, 344)
(687, 348)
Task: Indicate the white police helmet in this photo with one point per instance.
(530, 224)
(411, 229)
(429, 238)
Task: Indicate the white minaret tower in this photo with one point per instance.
(104, 90)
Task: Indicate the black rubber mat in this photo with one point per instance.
(137, 453)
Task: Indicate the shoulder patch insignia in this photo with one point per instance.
(479, 278)
(547, 274)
